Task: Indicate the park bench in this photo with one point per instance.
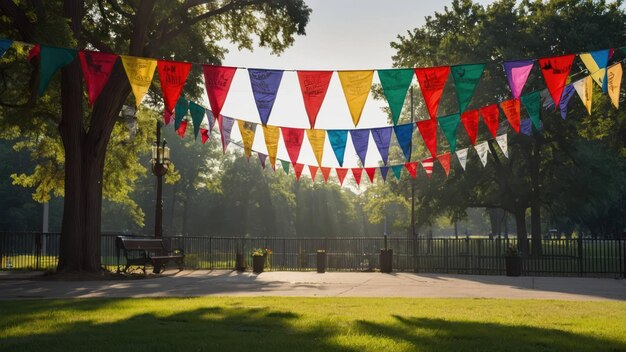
(143, 251)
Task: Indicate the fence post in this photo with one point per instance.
(445, 254)
(580, 255)
(37, 250)
(211, 253)
(623, 257)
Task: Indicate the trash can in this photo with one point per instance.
(321, 261)
(386, 256)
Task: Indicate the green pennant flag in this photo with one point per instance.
(285, 166)
(532, 102)
(395, 84)
(466, 78)
(448, 125)
(51, 59)
(181, 108)
(197, 115)
(397, 171)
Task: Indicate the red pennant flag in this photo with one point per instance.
(428, 130)
(470, 121)
(432, 81)
(298, 168)
(411, 168)
(182, 128)
(555, 71)
(325, 173)
(490, 115)
(314, 85)
(357, 173)
(205, 135)
(444, 160)
(167, 117)
(217, 80)
(313, 171)
(512, 112)
(173, 76)
(96, 68)
(34, 52)
(293, 142)
(428, 164)
(341, 174)
(370, 171)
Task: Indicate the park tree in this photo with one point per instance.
(177, 30)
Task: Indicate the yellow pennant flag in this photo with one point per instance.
(356, 86)
(596, 72)
(316, 139)
(247, 130)
(615, 82)
(139, 72)
(271, 134)
(584, 89)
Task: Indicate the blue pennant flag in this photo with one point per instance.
(397, 170)
(382, 137)
(338, 139)
(265, 85)
(383, 172)
(360, 140)
(404, 134)
(5, 44)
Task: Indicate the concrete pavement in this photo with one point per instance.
(311, 284)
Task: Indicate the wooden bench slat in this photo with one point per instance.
(146, 251)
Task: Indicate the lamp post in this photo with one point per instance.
(160, 166)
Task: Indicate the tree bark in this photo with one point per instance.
(535, 200)
(520, 225)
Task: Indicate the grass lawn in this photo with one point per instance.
(311, 324)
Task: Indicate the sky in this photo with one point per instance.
(341, 35)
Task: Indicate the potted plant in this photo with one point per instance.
(321, 261)
(258, 259)
(513, 262)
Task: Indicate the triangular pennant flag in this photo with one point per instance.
(432, 81)
(526, 127)
(139, 71)
(533, 107)
(226, 127)
(325, 172)
(204, 133)
(397, 170)
(449, 124)
(503, 143)
(356, 87)
(383, 172)
(555, 71)
(482, 149)
(614, 74)
(265, 85)
(357, 172)
(247, 130)
(395, 83)
(584, 89)
(262, 159)
(338, 139)
(444, 161)
(568, 93)
(298, 169)
(182, 128)
(5, 44)
(404, 135)
(316, 139)
(293, 142)
(461, 155)
(517, 73)
(512, 111)
(466, 78)
(546, 98)
(197, 115)
(596, 62)
(167, 117)
(411, 167)
(173, 76)
(217, 80)
(211, 118)
(360, 140)
(285, 165)
(51, 60)
(271, 142)
(490, 115)
(96, 68)
(182, 107)
(371, 172)
(428, 130)
(428, 164)
(314, 85)
(313, 171)
(470, 122)
(382, 137)
(341, 174)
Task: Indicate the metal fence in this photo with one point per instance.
(565, 257)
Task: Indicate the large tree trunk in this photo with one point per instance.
(520, 225)
(535, 201)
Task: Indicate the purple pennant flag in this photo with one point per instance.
(517, 73)
(568, 93)
(383, 172)
(360, 140)
(262, 158)
(226, 128)
(211, 118)
(382, 136)
(526, 127)
(265, 85)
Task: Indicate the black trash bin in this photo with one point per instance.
(513, 265)
(386, 256)
(321, 261)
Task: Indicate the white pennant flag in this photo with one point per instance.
(584, 89)
(482, 149)
(503, 143)
(462, 156)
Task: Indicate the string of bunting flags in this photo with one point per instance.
(356, 85)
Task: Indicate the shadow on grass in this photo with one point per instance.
(248, 328)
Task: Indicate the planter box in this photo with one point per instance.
(321, 262)
(240, 262)
(258, 262)
(513, 266)
(386, 260)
